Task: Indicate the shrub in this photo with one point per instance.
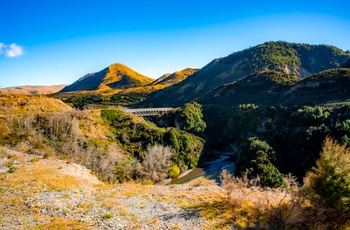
(107, 216)
(256, 157)
(156, 163)
(174, 171)
(329, 181)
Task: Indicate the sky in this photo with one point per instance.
(53, 42)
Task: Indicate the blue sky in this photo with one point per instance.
(53, 42)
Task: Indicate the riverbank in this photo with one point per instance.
(210, 169)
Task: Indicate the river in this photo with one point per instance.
(211, 170)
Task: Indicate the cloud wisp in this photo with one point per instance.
(11, 51)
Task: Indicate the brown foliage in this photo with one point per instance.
(281, 208)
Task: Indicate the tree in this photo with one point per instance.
(329, 181)
(187, 148)
(190, 118)
(256, 157)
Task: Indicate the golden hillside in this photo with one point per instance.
(32, 90)
(116, 76)
(174, 78)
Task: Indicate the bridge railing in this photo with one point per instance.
(143, 112)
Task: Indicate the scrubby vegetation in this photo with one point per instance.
(88, 138)
(328, 182)
(321, 203)
(248, 205)
(135, 137)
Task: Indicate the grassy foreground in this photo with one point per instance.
(41, 193)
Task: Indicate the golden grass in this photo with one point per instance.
(202, 181)
(14, 105)
(39, 177)
(61, 223)
(29, 90)
(254, 207)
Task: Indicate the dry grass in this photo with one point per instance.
(14, 105)
(39, 177)
(61, 223)
(31, 90)
(243, 204)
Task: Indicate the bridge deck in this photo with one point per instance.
(143, 112)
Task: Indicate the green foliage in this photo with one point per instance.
(273, 88)
(134, 136)
(286, 58)
(188, 147)
(79, 100)
(190, 118)
(330, 179)
(174, 171)
(11, 169)
(256, 157)
(295, 133)
(108, 216)
(274, 55)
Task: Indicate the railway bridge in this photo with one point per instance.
(144, 112)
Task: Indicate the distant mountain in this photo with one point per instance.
(116, 76)
(275, 88)
(174, 78)
(32, 90)
(290, 58)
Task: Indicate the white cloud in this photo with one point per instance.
(1, 47)
(12, 50)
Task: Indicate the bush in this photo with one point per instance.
(190, 118)
(257, 157)
(174, 171)
(329, 181)
(156, 163)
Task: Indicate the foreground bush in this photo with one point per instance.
(329, 181)
(251, 206)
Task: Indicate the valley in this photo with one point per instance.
(280, 107)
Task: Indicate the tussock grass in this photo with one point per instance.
(244, 204)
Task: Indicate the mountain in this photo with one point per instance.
(33, 90)
(174, 78)
(290, 58)
(275, 88)
(346, 64)
(116, 76)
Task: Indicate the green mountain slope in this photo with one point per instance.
(275, 88)
(116, 76)
(300, 59)
(346, 64)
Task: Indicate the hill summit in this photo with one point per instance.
(174, 78)
(116, 76)
(302, 60)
